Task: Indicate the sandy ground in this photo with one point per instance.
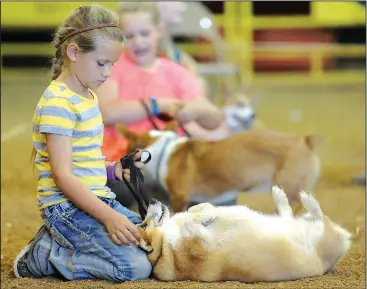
(337, 113)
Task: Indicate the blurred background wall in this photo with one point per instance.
(318, 41)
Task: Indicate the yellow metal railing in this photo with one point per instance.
(239, 24)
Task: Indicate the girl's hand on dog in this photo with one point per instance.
(126, 172)
(121, 230)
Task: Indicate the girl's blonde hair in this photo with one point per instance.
(75, 30)
(134, 7)
(148, 7)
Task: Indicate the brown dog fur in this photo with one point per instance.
(239, 162)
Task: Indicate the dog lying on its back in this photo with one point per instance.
(235, 243)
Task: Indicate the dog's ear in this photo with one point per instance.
(313, 140)
(127, 133)
(171, 125)
(241, 100)
(255, 99)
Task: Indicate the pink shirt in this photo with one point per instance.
(169, 80)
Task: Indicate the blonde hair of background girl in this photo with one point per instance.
(147, 7)
(164, 44)
(70, 31)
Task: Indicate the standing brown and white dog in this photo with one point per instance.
(209, 243)
(189, 168)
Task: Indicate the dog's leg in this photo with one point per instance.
(311, 205)
(143, 244)
(180, 178)
(179, 187)
(291, 188)
(281, 202)
(179, 199)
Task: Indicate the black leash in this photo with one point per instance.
(136, 184)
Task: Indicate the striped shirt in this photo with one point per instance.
(60, 111)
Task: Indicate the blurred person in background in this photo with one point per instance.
(142, 84)
(238, 109)
(171, 13)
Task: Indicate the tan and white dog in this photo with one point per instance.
(239, 113)
(210, 244)
(189, 168)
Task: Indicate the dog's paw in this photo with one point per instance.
(278, 193)
(145, 246)
(306, 216)
(281, 202)
(311, 205)
(200, 208)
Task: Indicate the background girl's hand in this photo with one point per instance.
(201, 111)
(170, 106)
(191, 111)
(119, 171)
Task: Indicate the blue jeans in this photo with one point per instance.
(76, 246)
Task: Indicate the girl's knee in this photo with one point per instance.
(138, 268)
(141, 268)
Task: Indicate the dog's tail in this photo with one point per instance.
(312, 141)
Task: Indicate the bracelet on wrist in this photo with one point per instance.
(111, 172)
(154, 104)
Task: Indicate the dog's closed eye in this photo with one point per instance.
(207, 222)
(142, 225)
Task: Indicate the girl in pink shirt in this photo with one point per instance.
(170, 83)
(141, 75)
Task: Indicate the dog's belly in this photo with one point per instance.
(251, 247)
(225, 197)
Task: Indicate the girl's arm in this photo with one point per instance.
(198, 132)
(209, 115)
(59, 148)
(197, 107)
(114, 110)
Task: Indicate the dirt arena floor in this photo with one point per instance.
(336, 112)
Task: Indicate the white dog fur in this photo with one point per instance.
(208, 243)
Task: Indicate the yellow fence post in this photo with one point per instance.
(316, 59)
(229, 26)
(229, 23)
(247, 37)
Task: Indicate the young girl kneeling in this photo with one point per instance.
(87, 233)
